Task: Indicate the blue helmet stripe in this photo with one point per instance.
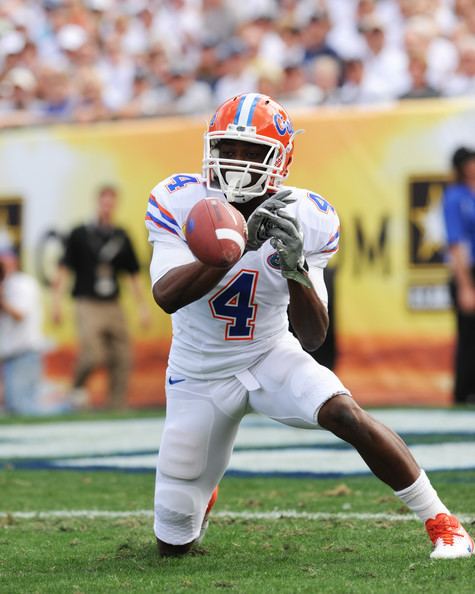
(238, 111)
(251, 111)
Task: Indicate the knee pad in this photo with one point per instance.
(178, 512)
(185, 442)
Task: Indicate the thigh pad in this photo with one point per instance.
(185, 442)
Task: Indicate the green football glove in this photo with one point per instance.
(260, 221)
(287, 239)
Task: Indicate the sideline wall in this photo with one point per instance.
(384, 171)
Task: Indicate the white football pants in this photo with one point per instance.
(202, 421)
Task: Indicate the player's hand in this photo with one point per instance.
(466, 299)
(56, 314)
(260, 221)
(287, 239)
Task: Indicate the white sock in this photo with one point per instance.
(422, 498)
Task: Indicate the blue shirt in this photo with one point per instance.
(459, 216)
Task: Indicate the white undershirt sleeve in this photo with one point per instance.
(316, 276)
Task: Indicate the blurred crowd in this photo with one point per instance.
(94, 60)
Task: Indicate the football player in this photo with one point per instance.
(232, 352)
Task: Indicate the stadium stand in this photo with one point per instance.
(96, 60)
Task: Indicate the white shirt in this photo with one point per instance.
(388, 69)
(22, 292)
(240, 319)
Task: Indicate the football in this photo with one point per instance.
(216, 232)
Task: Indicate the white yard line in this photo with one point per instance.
(270, 515)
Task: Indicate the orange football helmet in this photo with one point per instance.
(256, 118)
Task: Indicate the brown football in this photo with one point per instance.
(216, 232)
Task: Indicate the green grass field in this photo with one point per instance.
(341, 554)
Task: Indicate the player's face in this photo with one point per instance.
(8, 264)
(107, 203)
(469, 170)
(239, 150)
(243, 152)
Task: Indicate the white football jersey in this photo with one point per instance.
(240, 319)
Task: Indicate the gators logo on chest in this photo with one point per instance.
(274, 261)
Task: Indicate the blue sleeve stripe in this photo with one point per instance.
(163, 213)
(333, 238)
(149, 217)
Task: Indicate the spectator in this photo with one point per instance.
(237, 74)
(21, 340)
(296, 91)
(96, 253)
(344, 35)
(135, 30)
(178, 25)
(183, 95)
(462, 81)
(123, 39)
(464, 26)
(315, 37)
(383, 63)
(72, 41)
(55, 94)
(459, 215)
(293, 49)
(217, 16)
(325, 74)
(357, 89)
(421, 37)
(89, 105)
(18, 98)
(12, 45)
(295, 13)
(157, 65)
(144, 100)
(117, 73)
(272, 48)
(208, 69)
(269, 83)
(419, 87)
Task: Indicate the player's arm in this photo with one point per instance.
(58, 290)
(184, 284)
(459, 257)
(9, 309)
(178, 278)
(307, 314)
(462, 273)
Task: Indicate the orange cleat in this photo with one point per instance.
(205, 523)
(449, 537)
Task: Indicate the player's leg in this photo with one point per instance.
(293, 385)
(89, 327)
(295, 390)
(22, 375)
(384, 451)
(464, 385)
(118, 357)
(200, 428)
(390, 460)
